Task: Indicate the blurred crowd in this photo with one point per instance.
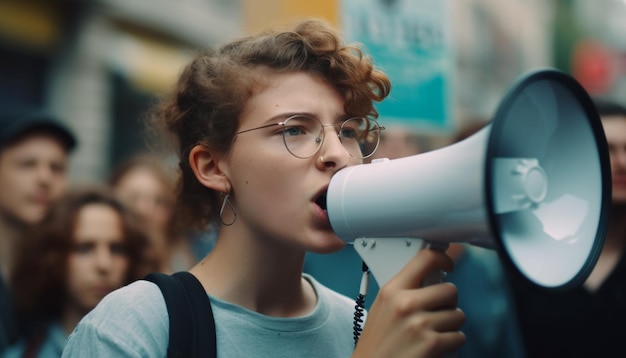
(64, 246)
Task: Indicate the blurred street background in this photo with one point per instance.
(100, 64)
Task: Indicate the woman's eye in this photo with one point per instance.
(83, 248)
(118, 249)
(27, 163)
(349, 133)
(293, 131)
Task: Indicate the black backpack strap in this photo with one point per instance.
(204, 323)
(180, 336)
(190, 315)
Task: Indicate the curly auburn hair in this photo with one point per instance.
(215, 87)
(39, 275)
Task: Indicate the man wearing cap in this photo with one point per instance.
(34, 151)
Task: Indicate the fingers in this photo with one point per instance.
(425, 263)
(436, 303)
(440, 321)
(432, 298)
(407, 320)
(419, 334)
(444, 345)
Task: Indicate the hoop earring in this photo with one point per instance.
(226, 202)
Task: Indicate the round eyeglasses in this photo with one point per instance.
(303, 135)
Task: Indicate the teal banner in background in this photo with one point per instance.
(409, 40)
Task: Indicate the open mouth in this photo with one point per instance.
(321, 201)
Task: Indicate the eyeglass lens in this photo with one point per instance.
(304, 136)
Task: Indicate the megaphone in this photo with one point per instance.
(533, 184)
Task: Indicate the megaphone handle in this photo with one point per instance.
(385, 257)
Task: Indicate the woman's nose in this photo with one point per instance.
(104, 259)
(333, 153)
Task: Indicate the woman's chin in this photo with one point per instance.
(328, 245)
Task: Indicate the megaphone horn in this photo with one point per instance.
(533, 184)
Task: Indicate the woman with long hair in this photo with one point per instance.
(87, 246)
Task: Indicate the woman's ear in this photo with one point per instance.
(203, 162)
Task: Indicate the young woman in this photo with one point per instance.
(146, 184)
(86, 247)
(262, 124)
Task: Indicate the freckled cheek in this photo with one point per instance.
(263, 172)
(264, 178)
(265, 189)
(355, 161)
(261, 187)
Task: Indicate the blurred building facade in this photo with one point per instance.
(99, 64)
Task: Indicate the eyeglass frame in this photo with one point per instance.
(282, 123)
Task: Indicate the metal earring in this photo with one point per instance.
(226, 202)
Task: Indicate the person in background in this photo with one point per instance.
(587, 321)
(34, 152)
(261, 125)
(146, 183)
(88, 245)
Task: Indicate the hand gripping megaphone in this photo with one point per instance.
(534, 184)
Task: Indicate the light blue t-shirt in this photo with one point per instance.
(133, 322)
